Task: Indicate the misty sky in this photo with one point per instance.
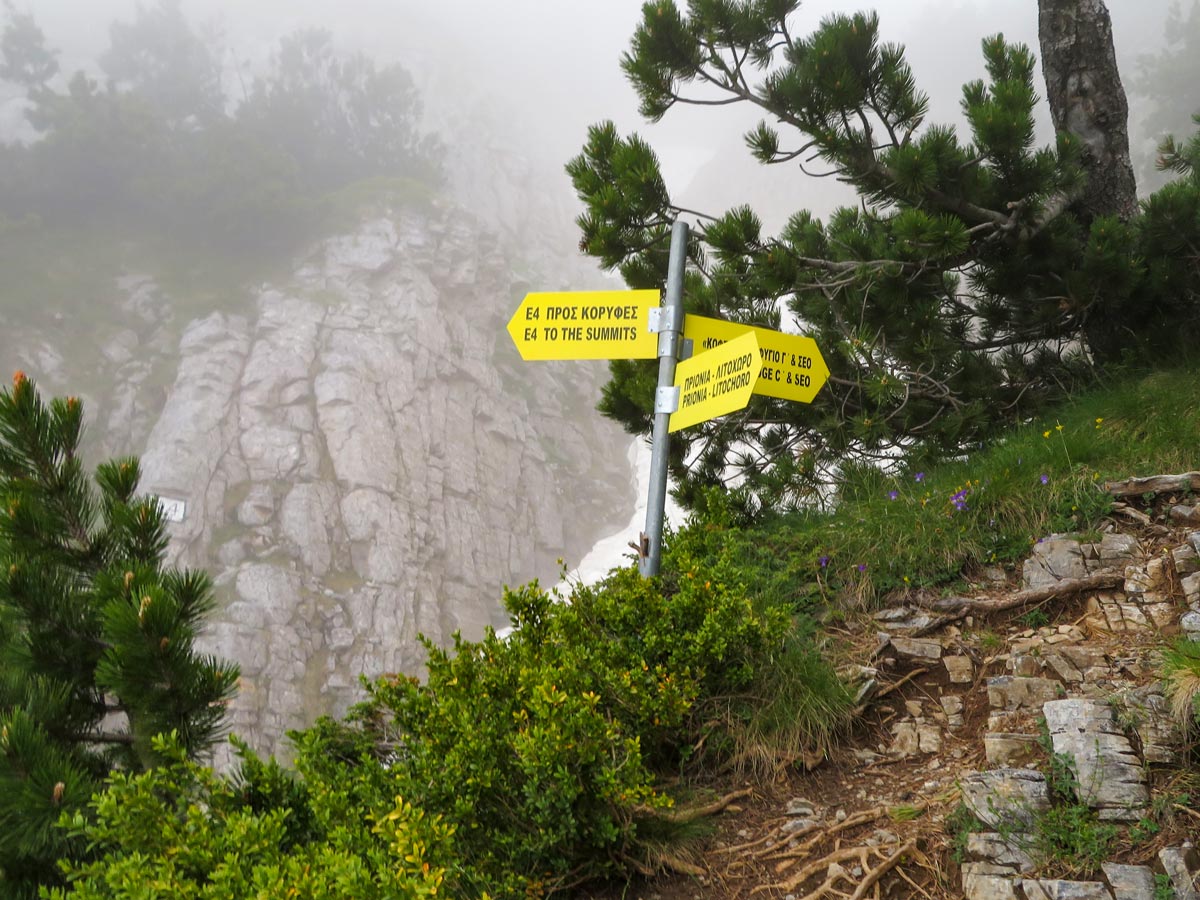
(546, 69)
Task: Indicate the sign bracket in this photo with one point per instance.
(666, 400)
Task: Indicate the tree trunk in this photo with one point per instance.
(1088, 101)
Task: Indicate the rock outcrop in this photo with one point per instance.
(357, 456)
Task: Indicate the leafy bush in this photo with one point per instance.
(527, 765)
(546, 750)
(180, 831)
(543, 749)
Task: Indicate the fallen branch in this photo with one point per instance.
(1063, 588)
(1154, 484)
(882, 869)
(1130, 513)
(859, 710)
(1187, 809)
(898, 684)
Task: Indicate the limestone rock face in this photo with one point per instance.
(366, 458)
(359, 454)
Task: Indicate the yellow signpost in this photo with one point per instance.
(729, 361)
(792, 366)
(585, 325)
(717, 382)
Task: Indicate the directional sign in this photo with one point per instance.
(792, 366)
(717, 382)
(585, 325)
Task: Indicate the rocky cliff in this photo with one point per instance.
(357, 456)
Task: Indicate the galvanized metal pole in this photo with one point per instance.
(671, 326)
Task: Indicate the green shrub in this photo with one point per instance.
(181, 831)
(527, 765)
(547, 751)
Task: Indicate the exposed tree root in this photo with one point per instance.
(960, 606)
(682, 867)
(777, 831)
(801, 850)
(1154, 484)
(662, 861)
(837, 856)
(873, 876)
(692, 813)
(916, 887)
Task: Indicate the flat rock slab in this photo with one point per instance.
(1182, 865)
(1055, 559)
(1130, 882)
(962, 671)
(1157, 729)
(987, 881)
(1054, 889)
(1002, 850)
(1191, 621)
(1008, 749)
(1006, 797)
(1191, 587)
(1109, 773)
(1018, 692)
(917, 648)
(1075, 663)
(902, 619)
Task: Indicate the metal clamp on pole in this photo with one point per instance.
(666, 400)
(669, 322)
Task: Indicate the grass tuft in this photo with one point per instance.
(1181, 673)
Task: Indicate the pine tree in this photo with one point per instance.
(96, 636)
(974, 282)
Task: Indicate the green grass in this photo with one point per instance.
(1181, 673)
(939, 525)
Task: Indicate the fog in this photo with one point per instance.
(548, 69)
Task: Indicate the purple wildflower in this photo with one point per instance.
(824, 561)
(919, 477)
(862, 567)
(892, 495)
(1045, 478)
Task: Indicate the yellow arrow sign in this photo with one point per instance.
(792, 366)
(585, 325)
(717, 382)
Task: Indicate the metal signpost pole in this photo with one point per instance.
(671, 326)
